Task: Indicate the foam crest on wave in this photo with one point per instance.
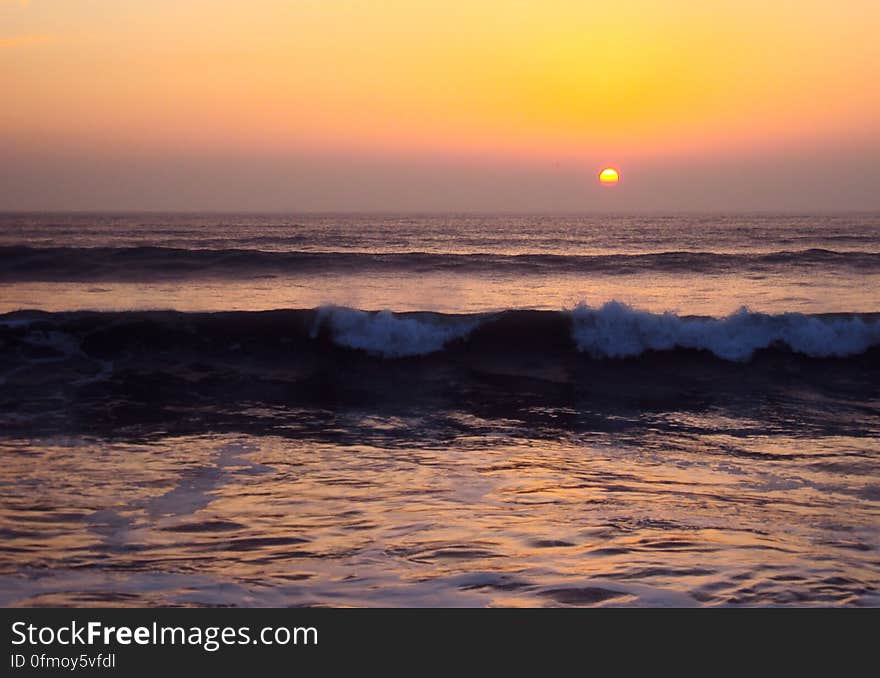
(616, 330)
(387, 334)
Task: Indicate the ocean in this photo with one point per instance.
(439, 410)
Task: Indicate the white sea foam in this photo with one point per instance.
(389, 335)
(616, 330)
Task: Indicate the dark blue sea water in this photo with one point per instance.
(439, 409)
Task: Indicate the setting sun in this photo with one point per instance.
(609, 177)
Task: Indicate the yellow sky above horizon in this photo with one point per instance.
(497, 76)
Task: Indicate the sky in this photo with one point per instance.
(439, 105)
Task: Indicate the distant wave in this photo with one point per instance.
(611, 331)
(22, 263)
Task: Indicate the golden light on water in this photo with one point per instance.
(609, 177)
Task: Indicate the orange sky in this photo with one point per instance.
(100, 86)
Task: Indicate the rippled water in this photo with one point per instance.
(471, 512)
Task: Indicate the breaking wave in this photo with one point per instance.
(611, 331)
(616, 330)
(388, 335)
